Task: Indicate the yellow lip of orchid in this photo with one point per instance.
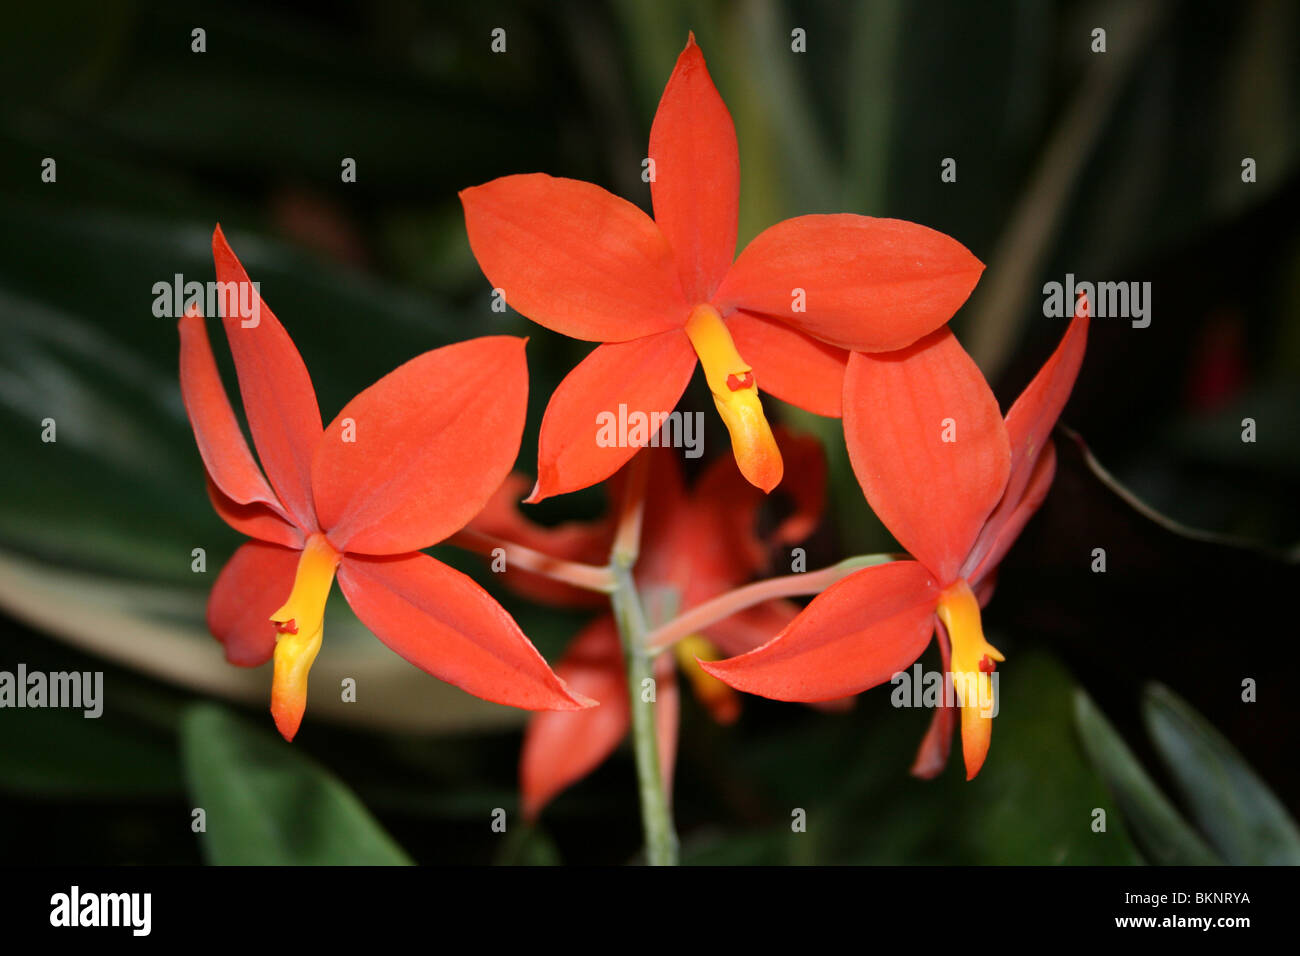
(735, 393)
(300, 625)
(972, 664)
(719, 699)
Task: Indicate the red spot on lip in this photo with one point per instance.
(287, 627)
(743, 380)
(987, 664)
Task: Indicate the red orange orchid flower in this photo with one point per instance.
(406, 463)
(955, 484)
(697, 544)
(663, 294)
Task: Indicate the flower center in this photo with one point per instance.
(735, 394)
(972, 664)
(300, 624)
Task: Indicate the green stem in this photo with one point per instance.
(656, 813)
(629, 613)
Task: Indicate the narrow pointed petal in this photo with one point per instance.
(932, 755)
(795, 367)
(854, 635)
(1033, 416)
(574, 258)
(860, 283)
(257, 520)
(279, 400)
(1034, 413)
(1002, 531)
(416, 455)
(1029, 426)
(562, 747)
(253, 583)
(928, 446)
(696, 188)
(445, 624)
(226, 455)
(590, 428)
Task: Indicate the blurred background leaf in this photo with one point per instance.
(1231, 805)
(1163, 834)
(265, 804)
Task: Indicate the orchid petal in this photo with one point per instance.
(445, 624)
(225, 452)
(973, 663)
(753, 627)
(667, 543)
(696, 186)
(581, 441)
(574, 258)
(720, 529)
(254, 582)
(932, 755)
(928, 446)
(1029, 425)
(795, 367)
(854, 635)
(1034, 413)
(562, 747)
(256, 519)
(857, 282)
(416, 455)
(279, 400)
(999, 535)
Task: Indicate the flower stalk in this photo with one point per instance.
(629, 614)
(589, 577)
(725, 605)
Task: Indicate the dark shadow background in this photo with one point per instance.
(1124, 165)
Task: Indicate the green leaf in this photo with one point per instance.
(1163, 834)
(1230, 803)
(267, 803)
